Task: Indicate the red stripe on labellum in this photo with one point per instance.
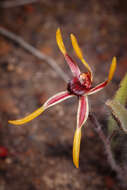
(73, 66)
(75, 87)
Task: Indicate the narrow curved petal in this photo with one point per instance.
(50, 102)
(76, 147)
(27, 118)
(97, 88)
(83, 111)
(73, 66)
(82, 116)
(79, 53)
(103, 84)
(59, 97)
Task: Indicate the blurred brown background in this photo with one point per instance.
(39, 155)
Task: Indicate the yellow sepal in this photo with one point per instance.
(59, 41)
(76, 47)
(76, 147)
(79, 52)
(112, 69)
(27, 118)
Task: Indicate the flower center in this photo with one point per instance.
(81, 85)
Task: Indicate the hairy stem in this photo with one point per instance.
(106, 141)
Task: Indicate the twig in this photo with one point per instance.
(97, 127)
(15, 3)
(34, 51)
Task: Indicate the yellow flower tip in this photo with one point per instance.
(76, 164)
(76, 147)
(27, 118)
(112, 69)
(11, 121)
(59, 41)
(16, 122)
(76, 47)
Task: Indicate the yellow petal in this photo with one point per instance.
(79, 52)
(27, 118)
(60, 41)
(112, 69)
(76, 147)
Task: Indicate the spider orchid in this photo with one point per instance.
(80, 86)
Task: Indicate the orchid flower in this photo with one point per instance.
(80, 86)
